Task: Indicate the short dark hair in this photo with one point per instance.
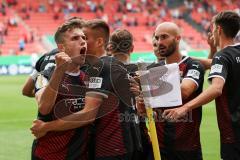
(101, 27)
(229, 21)
(75, 18)
(121, 40)
(68, 25)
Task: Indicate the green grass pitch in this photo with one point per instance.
(17, 113)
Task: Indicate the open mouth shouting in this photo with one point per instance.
(83, 51)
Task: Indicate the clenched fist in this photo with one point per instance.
(62, 61)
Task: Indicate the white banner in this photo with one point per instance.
(161, 86)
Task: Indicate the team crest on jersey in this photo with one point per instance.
(193, 73)
(95, 82)
(216, 68)
(41, 82)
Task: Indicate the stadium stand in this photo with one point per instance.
(39, 18)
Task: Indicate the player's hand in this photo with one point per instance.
(39, 134)
(213, 48)
(174, 114)
(134, 86)
(62, 61)
(137, 78)
(38, 128)
(210, 40)
(140, 106)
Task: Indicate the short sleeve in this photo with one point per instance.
(195, 72)
(219, 67)
(99, 79)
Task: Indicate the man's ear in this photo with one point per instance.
(178, 38)
(61, 47)
(132, 48)
(219, 30)
(100, 42)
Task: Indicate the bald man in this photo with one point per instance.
(179, 140)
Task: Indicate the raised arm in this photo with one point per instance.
(205, 97)
(47, 90)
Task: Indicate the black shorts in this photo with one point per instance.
(169, 154)
(230, 151)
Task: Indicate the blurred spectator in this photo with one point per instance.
(24, 36)
(92, 5)
(51, 2)
(41, 8)
(56, 12)
(3, 8)
(105, 17)
(32, 36)
(5, 29)
(2, 33)
(12, 2)
(21, 44)
(132, 21)
(24, 8)
(1, 38)
(175, 13)
(80, 7)
(12, 22)
(162, 13)
(70, 7)
(189, 4)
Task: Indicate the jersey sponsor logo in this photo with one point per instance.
(238, 59)
(75, 104)
(193, 73)
(41, 82)
(216, 68)
(95, 82)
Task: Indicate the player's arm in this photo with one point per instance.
(208, 95)
(205, 97)
(187, 88)
(28, 87)
(192, 80)
(47, 92)
(205, 62)
(217, 76)
(75, 120)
